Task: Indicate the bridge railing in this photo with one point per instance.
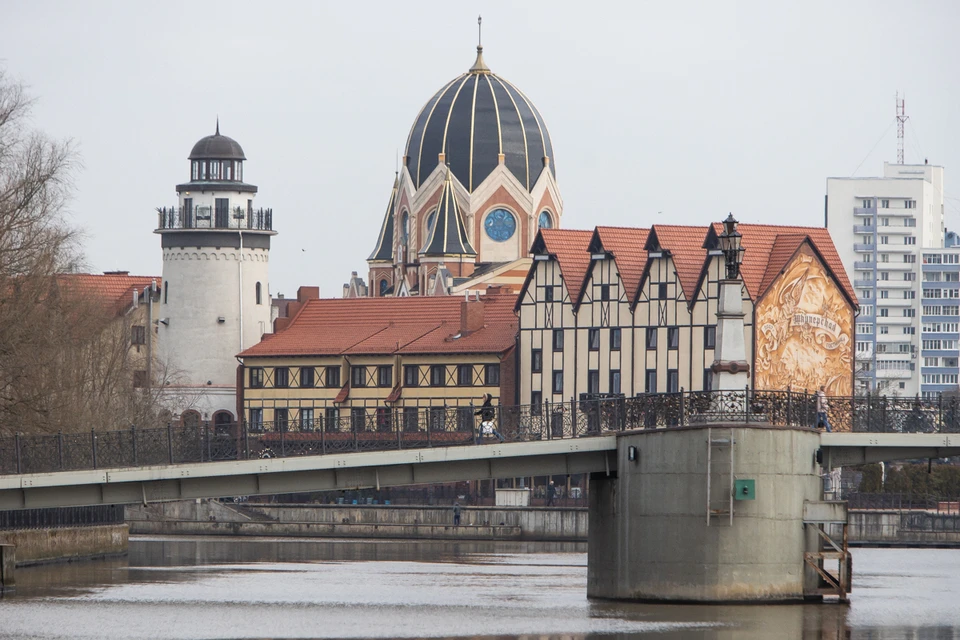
(384, 428)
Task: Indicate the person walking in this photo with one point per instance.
(487, 413)
(456, 514)
(551, 494)
(823, 406)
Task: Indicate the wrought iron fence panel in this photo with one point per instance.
(114, 449)
(77, 451)
(39, 454)
(8, 456)
(187, 444)
(152, 447)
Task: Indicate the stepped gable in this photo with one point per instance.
(626, 244)
(354, 326)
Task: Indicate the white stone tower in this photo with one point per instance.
(214, 299)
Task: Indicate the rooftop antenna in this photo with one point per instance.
(480, 33)
(902, 118)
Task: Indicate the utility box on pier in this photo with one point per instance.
(745, 489)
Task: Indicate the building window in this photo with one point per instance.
(411, 419)
(331, 377)
(867, 204)
(536, 403)
(384, 285)
(491, 375)
(536, 361)
(438, 374)
(673, 337)
(545, 221)
(281, 419)
(139, 379)
(707, 380)
(259, 294)
(614, 381)
(673, 381)
(306, 377)
(358, 376)
(662, 291)
(604, 292)
(500, 225)
(651, 337)
(910, 240)
(281, 377)
(256, 377)
(558, 339)
(166, 289)
(651, 381)
(884, 204)
(306, 419)
(331, 419)
(548, 294)
(256, 419)
(909, 204)
(710, 337)
(138, 334)
(558, 381)
(358, 419)
(411, 375)
(384, 419)
(593, 337)
(385, 376)
(593, 381)
(465, 375)
(615, 339)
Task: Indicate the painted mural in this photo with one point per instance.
(804, 331)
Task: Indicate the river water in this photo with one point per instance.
(204, 588)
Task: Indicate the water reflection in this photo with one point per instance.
(240, 588)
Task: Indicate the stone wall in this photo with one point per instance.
(37, 546)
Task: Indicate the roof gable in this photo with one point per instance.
(685, 244)
(627, 246)
(570, 247)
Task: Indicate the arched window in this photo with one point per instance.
(166, 290)
(259, 294)
(545, 221)
(383, 287)
(405, 229)
(190, 418)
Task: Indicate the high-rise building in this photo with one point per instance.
(881, 226)
(214, 297)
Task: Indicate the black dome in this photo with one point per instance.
(474, 118)
(217, 147)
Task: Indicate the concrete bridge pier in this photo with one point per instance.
(706, 514)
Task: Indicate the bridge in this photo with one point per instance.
(173, 463)
(677, 481)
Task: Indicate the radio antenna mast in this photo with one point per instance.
(902, 117)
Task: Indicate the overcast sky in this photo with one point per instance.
(660, 112)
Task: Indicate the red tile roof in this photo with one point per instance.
(626, 245)
(570, 247)
(113, 290)
(761, 248)
(685, 245)
(356, 326)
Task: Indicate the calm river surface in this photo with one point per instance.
(199, 588)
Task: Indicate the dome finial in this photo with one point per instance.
(479, 66)
(218, 125)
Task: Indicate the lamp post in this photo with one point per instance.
(731, 371)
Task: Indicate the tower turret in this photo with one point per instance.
(216, 248)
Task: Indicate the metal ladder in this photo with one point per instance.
(721, 504)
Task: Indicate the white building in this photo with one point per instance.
(881, 226)
(214, 299)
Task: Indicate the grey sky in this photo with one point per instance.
(689, 109)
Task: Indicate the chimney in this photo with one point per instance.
(471, 316)
(308, 293)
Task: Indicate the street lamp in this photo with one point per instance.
(730, 244)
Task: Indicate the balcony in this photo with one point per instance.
(238, 218)
(863, 284)
(895, 320)
(896, 248)
(861, 211)
(894, 230)
(895, 284)
(863, 228)
(863, 265)
(895, 374)
(861, 246)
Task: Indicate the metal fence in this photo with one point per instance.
(62, 517)
(408, 428)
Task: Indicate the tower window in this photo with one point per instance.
(545, 221)
(259, 294)
(500, 225)
(166, 290)
(405, 229)
(196, 170)
(384, 285)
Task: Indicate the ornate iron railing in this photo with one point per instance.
(207, 217)
(407, 428)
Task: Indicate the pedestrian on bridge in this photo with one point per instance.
(487, 414)
(456, 514)
(823, 406)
